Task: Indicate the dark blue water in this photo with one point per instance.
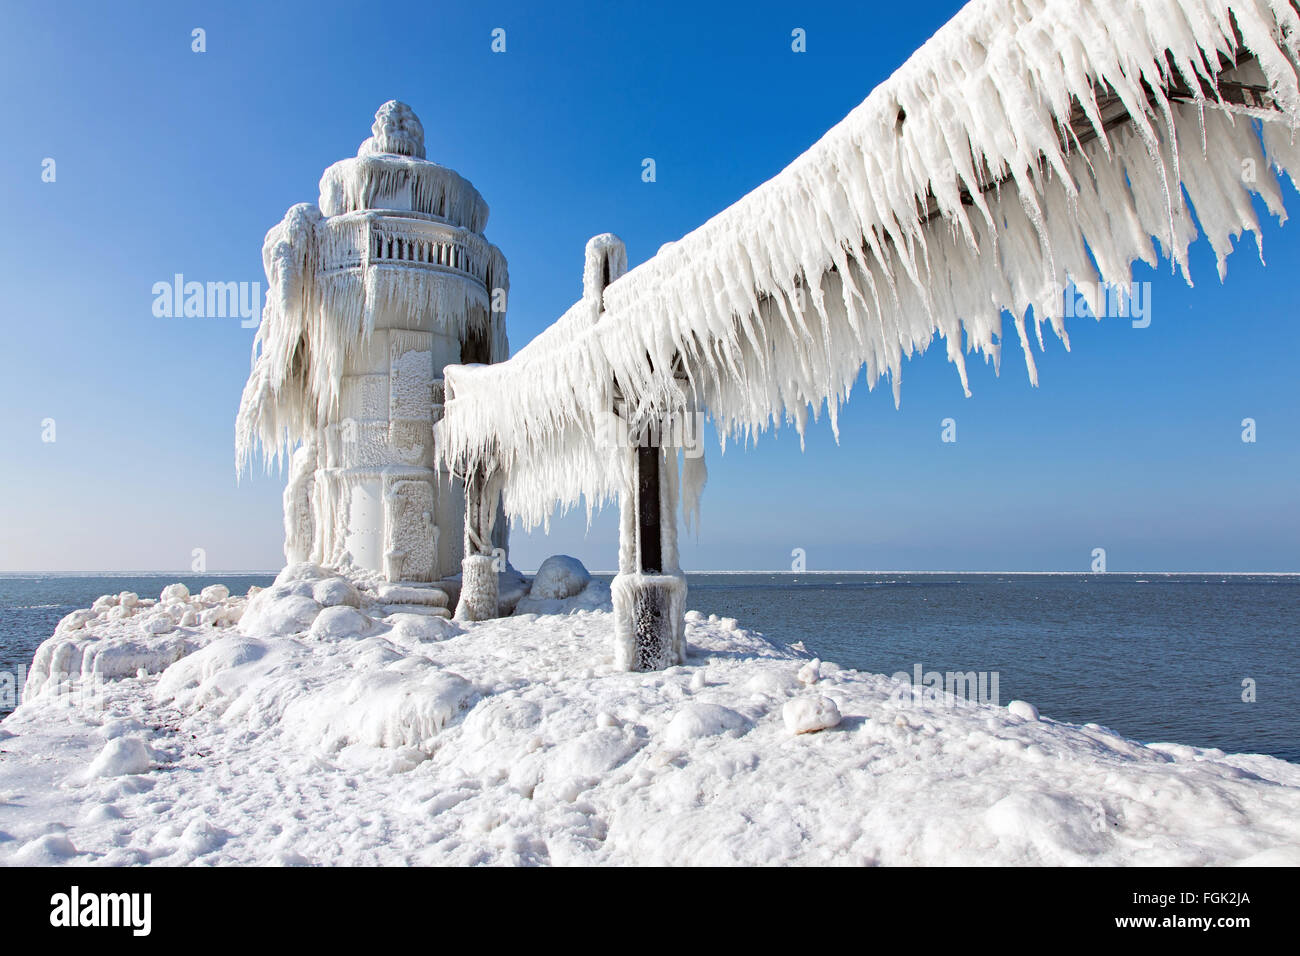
(1154, 657)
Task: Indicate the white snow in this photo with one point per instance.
(559, 576)
(214, 594)
(339, 623)
(811, 672)
(1023, 709)
(806, 715)
(703, 720)
(121, 755)
(957, 191)
(416, 739)
(174, 593)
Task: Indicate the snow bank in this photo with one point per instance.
(339, 623)
(559, 577)
(121, 755)
(291, 604)
(810, 714)
(703, 720)
(382, 708)
(121, 635)
(983, 177)
(419, 740)
(216, 658)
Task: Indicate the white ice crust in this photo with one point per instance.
(957, 192)
(351, 735)
(558, 577)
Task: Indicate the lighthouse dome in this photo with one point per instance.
(396, 130)
(390, 173)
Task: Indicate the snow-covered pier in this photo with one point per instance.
(1026, 149)
(345, 715)
(311, 723)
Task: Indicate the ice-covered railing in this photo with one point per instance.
(328, 278)
(1025, 146)
(391, 232)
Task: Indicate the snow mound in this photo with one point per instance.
(220, 655)
(279, 610)
(214, 594)
(339, 623)
(516, 740)
(419, 628)
(559, 577)
(1023, 709)
(809, 714)
(120, 756)
(53, 849)
(399, 594)
(703, 720)
(174, 593)
(335, 591)
(384, 708)
(575, 766)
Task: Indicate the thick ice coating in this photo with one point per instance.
(1028, 144)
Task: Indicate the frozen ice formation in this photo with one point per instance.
(396, 130)
(356, 736)
(371, 292)
(806, 715)
(1023, 709)
(559, 576)
(981, 179)
(121, 755)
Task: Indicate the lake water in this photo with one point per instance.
(1155, 657)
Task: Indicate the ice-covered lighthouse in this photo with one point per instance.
(371, 293)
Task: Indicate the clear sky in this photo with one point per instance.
(170, 161)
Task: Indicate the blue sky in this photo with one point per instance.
(172, 161)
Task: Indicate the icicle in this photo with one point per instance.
(963, 188)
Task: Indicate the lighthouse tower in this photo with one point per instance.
(372, 292)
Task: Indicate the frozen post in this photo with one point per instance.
(649, 591)
(478, 585)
